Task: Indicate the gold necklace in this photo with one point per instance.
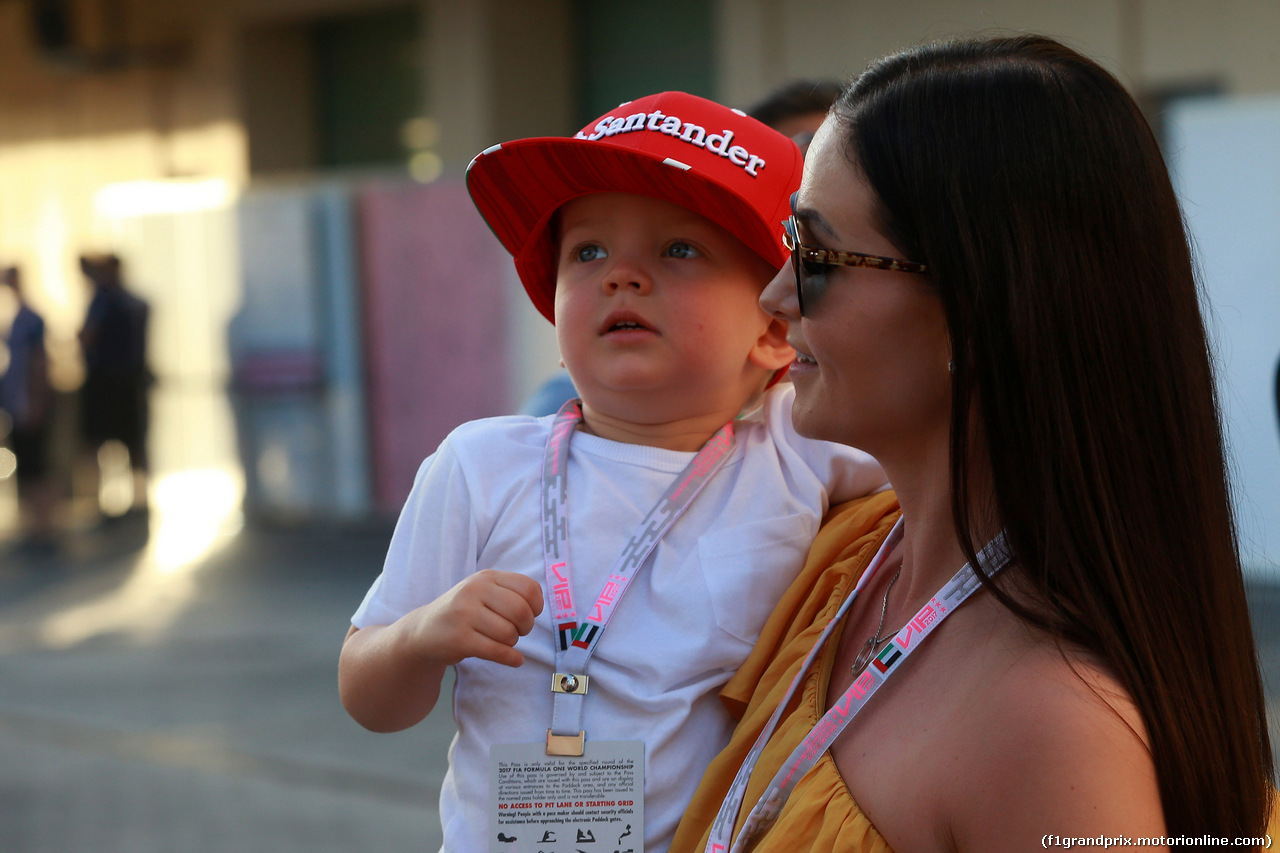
(871, 646)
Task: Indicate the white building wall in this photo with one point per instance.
(1225, 156)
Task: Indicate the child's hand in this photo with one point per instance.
(482, 617)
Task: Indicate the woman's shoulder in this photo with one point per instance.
(995, 736)
(1057, 746)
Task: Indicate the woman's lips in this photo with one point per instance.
(803, 359)
(802, 364)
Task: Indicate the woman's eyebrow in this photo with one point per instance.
(814, 221)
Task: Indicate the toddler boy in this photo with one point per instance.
(678, 480)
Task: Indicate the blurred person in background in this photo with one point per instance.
(114, 397)
(797, 109)
(25, 399)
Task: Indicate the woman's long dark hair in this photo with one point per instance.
(1026, 178)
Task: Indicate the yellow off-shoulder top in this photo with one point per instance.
(821, 815)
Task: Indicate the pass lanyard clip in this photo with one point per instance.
(576, 638)
(993, 557)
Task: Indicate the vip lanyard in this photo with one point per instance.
(993, 557)
(576, 639)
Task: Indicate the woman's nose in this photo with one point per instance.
(779, 296)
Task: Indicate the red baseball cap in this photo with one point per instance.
(716, 161)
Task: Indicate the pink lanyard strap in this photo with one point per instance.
(993, 557)
(576, 639)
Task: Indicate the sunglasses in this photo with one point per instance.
(810, 264)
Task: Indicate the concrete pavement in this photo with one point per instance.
(171, 701)
(199, 713)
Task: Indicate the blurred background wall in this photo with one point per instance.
(283, 179)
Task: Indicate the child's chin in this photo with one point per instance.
(626, 383)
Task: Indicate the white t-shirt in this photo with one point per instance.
(689, 617)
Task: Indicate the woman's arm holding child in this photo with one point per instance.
(389, 675)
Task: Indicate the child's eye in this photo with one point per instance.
(682, 250)
(589, 252)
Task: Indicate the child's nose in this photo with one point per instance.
(627, 274)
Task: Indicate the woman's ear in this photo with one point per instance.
(771, 350)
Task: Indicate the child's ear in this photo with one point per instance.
(771, 350)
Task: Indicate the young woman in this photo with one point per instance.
(992, 293)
